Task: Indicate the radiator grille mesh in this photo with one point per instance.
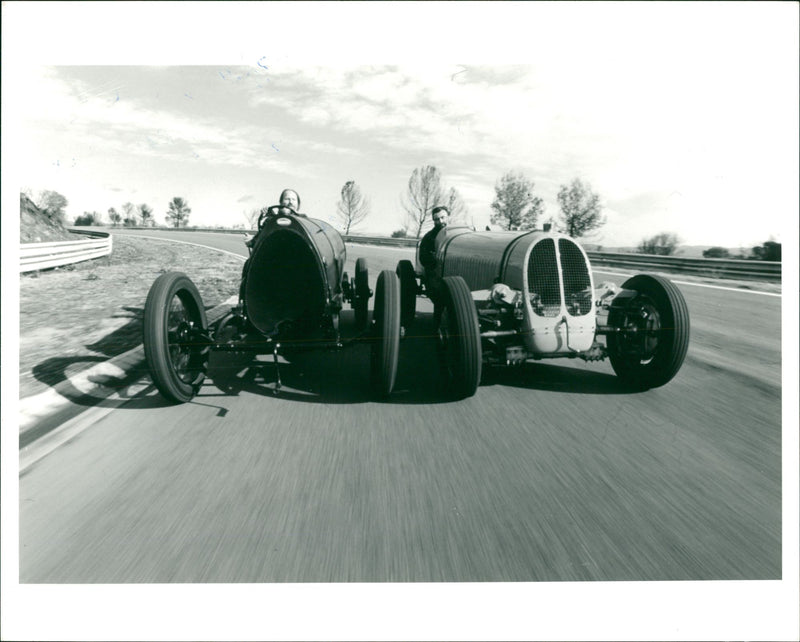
(543, 286)
(577, 284)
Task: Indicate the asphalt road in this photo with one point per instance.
(551, 472)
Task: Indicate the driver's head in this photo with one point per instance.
(440, 215)
(289, 198)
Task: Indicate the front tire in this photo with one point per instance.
(653, 332)
(386, 341)
(174, 319)
(459, 338)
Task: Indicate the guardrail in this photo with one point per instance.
(381, 240)
(713, 268)
(40, 256)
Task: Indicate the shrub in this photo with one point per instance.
(663, 244)
(769, 251)
(716, 253)
(399, 234)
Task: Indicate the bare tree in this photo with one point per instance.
(353, 208)
(456, 206)
(251, 216)
(114, 216)
(178, 212)
(146, 213)
(515, 206)
(424, 193)
(663, 244)
(127, 210)
(580, 208)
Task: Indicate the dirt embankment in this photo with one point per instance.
(35, 226)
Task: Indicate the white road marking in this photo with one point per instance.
(701, 285)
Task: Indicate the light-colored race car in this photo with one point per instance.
(505, 298)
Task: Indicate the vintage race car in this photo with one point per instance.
(293, 290)
(509, 297)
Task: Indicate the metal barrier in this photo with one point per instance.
(713, 268)
(381, 240)
(40, 256)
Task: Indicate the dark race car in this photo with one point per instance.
(293, 290)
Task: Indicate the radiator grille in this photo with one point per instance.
(543, 288)
(577, 284)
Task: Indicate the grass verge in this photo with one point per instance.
(75, 316)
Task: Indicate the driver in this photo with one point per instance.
(427, 256)
(289, 199)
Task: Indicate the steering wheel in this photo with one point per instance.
(273, 211)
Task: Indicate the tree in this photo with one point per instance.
(251, 216)
(663, 244)
(580, 208)
(769, 251)
(456, 206)
(515, 206)
(53, 204)
(127, 209)
(424, 193)
(178, 212)
(146, 213)
(114, 216)
(353, 208)
(399, 234)
(716, 252)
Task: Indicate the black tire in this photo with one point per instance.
(408, 292)
(652, 350)
(386, 339)
(361, 301)
(173, 317)
(459, 338)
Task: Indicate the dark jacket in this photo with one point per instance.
(427, 249)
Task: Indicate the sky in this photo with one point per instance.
(682, 119)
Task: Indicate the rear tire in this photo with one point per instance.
(386, 342)
(652, 346)
(173, 318)
(361, 301)
(459, 339)
(408, 292)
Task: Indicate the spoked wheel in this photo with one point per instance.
(650, 344)
(459, 339)
(361, 300)
(386, 340)
(408, 292)
(174, 329)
